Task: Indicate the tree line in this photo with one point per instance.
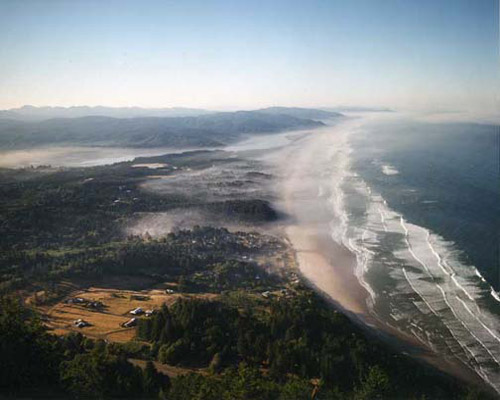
(297, 336)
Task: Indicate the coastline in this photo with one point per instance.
(333, 274)
(329, 269)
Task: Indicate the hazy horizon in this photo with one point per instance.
(249, 199)
(221, 55)
(218, 109)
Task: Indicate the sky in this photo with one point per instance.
(429, 54)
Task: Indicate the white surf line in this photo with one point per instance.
(477, 319)
(382, 218)
(339, 209)
(481, 372)
(363, 235)
(359, 274)
(479, 275)
(441, 264)
(418, 293)
(451, 309)
(454, 279)
(417, 336)
(466, 327)
(494, 294)
(433, 251)
(337, 201)
(465, 349)
(363, 241)
(417, 332)
(433, 347)
(401, 220)
(343, 217)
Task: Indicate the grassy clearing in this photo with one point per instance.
(169, 370)
(106, 323)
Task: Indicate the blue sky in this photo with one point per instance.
(426, 54)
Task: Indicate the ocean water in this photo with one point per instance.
(418, 204)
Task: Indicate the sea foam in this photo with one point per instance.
(449, 296)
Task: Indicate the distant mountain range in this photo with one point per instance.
(32, 113)
(207, 130)
(41, 113)
(308, 113)
(342, 109)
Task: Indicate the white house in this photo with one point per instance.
(137, 311)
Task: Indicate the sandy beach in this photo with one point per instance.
(308, 184)
(328, 266)
(333, 275)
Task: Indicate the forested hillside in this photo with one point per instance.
(179, 132)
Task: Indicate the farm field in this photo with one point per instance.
(106, 322)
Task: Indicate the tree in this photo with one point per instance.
(29, 357)
(297, 389)
(376, 385)
(173, 353)
(101, 375)
(153, 382)
(216, 363)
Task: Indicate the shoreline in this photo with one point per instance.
(328, 267)
(332, 276)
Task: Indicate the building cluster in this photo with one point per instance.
(86, 303)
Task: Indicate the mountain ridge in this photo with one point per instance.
(34, 113)
(211, 130)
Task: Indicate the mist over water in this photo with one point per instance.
(72, 156)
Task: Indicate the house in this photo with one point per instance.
(96, 304)
(80, 323)
(75, 300)
(169, 291)
(266, 294)
(137, 311)
(130, 323)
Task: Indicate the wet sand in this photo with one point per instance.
(330, 272)
(330, 267)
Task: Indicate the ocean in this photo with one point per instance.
(418, 205)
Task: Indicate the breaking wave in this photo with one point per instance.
(415, 278)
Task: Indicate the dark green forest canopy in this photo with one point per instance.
(66, 224)
(63, 223)
(290, 349)
(88, 206)
(36, 364)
